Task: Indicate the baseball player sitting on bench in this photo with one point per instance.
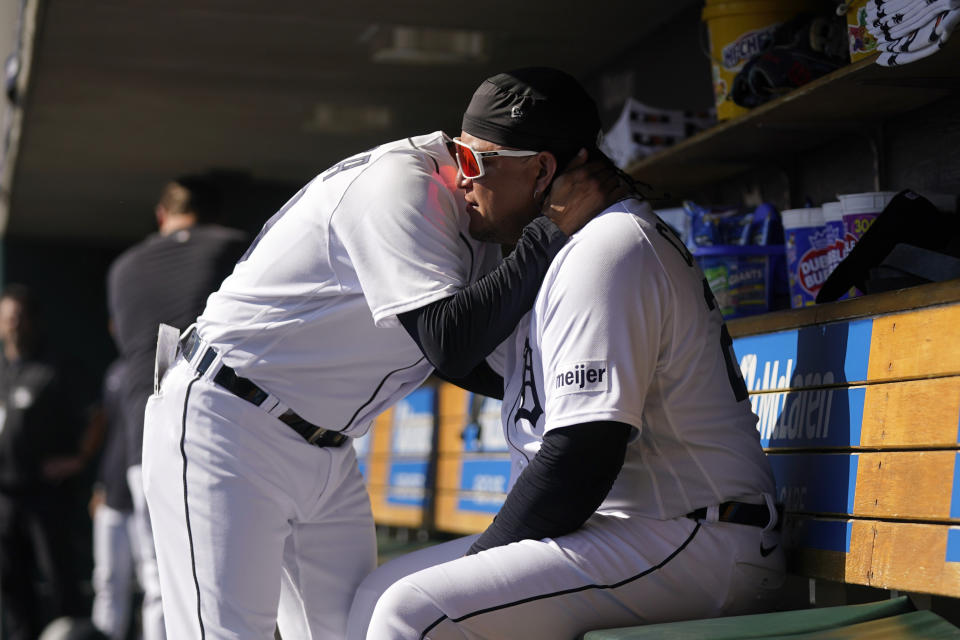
(639, 489)
(260, 514)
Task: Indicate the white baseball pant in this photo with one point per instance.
(254, 526)
(145, 555)
(614, 571)
(112, 571)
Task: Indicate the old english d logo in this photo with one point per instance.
(529, 409)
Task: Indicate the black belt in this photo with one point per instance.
(249, 391)
(754, 515)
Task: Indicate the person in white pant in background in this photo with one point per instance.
(112, 510)
(639, 491)
(113, 571)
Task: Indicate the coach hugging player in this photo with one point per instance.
(260, 514)
(639, 490)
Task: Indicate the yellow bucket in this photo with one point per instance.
(739, 29)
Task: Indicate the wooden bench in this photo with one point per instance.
(859, 407)
(860, 418)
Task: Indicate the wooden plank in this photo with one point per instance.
(471, 488)
(900, 346)
(397, 461)
(485, 477)
(916, 557)
(379, 455)
(394, 515)
(450, 518)
(448, 471)
(451, 402)
(468, 503)
(910, 414)
(912, 485)
(452, 418)
(407, 481)
(905, 484)
(817, 563)
(910, 556)
(836, 353)
(472, 426)
(922, 296)
(471, 483)
(413, 424)
(457, 472)
(815, 483)
(916, 343)
(814, 418)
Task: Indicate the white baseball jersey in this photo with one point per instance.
(310, 313)
(624, 329)
(595, 348)
(260, 529)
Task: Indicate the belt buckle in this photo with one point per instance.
(326, 438)
(318, 433)
(728, 510)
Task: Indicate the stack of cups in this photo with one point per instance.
(859, 212)
(837, 230)
(833, 218)
(861, 209)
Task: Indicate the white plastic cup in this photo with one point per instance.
(861, 209)
(837, 230)
(833, 212)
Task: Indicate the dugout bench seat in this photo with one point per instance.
(895, 618)
(859, 407)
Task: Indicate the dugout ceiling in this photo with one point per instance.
(126, 93)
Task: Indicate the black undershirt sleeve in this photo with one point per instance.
(458, 332)
(482, 380)
(562, 486)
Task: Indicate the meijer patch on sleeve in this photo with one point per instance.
(580, 377)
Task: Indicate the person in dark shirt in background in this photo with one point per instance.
(39, 435)
(166, 279)
(111, 508)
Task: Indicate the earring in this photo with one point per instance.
(536, 192)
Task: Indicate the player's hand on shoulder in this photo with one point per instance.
(584, 189)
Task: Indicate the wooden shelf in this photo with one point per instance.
(849, 100)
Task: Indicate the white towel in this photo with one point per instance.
(944, 29)
(902, 23)
(882, 8)
(926, 36)
(888, 59)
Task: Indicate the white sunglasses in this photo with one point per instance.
(470, 161)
